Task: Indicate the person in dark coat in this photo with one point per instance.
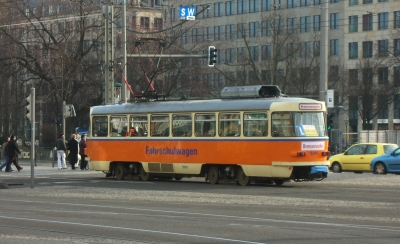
(82, 146)
(12, 149)
(73, 151)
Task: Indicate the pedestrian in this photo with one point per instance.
(61, 151)
(12, 150)
(73, 151)
(5, 153)
(82, 146)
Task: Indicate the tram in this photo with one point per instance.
(251, 134)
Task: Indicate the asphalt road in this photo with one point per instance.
(67, 206)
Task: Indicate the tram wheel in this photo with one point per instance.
(213, 175)
(279, 182)
(144, 176)
(178, 177)
(119, 171)
(242, 178)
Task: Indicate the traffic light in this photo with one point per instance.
(330, 121)
(69, 111)
(212, 56)
(28, 108)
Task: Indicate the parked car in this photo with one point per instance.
(359, 156)
(387, 163)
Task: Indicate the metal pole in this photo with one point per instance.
(63, 117)
(124, 94)
(324, 46)
(32, 137)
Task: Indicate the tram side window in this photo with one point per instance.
(204, 125)
(100, 126)
(229, 124)
(138, 126)
(159, 125)
(119, 126)
(255, 124)
(182, 125)
(282, 124)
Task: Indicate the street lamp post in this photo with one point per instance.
(346, 123)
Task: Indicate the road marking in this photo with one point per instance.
(372, 227)
(131, 229)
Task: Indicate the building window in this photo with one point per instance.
(291, 3)
(383, 106)
(279, 26)
(383, 75)
(305, 49)
(353, 77)
(367, 22)
(229, 32)
(230, 55)
(185, 36)
(396, 106)
(254, 6)
(367, 49)
(158, 23)
(353, 2)
(195, 35)
(265, 5)
(291, 25)
(334, 1)
(241, 6)
(305, 24)
(240, 54)
(317, 2)
(353, 23)
(144, 23)
(253, 29)
(305, 2)
(316, 48)
(334, 21)
(353, 108)
(317, 22)
(367, 1)
(353, 50)
(218, 32)
(396, 74)
(229, 8)
(266, 52)
(334, 47)
(254, 53)
(207, 35)
(218, 12)
(383, 20)
(173, 14)
(265, 28)
(396, 44)
(396, 19)
(383, 48)
(241, 30)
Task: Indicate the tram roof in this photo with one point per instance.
(195, 105)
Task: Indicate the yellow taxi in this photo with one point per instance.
(359, 156)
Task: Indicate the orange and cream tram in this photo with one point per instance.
(251, 134)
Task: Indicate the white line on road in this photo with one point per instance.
(131, 229)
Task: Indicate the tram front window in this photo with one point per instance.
(297, 124)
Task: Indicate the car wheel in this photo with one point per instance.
(336, 168)
(380, 168)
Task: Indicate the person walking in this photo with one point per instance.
(82, 146)
(61, 151)
(73, 151)
(12, 150)
(5, 153)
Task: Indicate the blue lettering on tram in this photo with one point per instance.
(168, 151)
